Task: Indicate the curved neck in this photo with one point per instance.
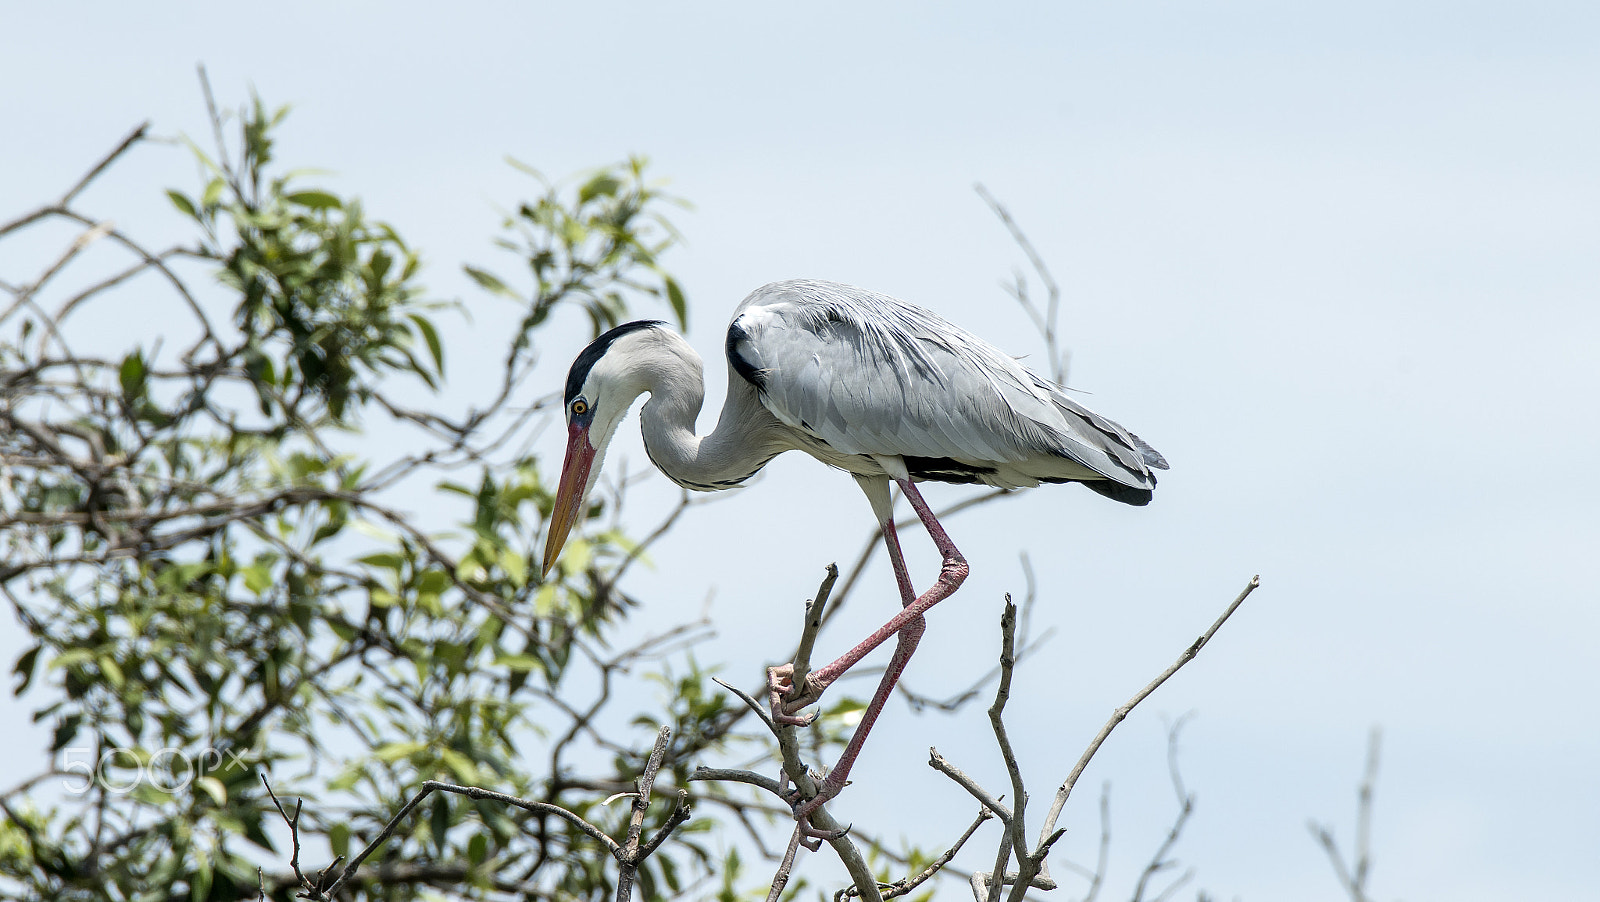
(746, 437)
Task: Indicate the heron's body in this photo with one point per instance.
(863, 382)
(874, 386)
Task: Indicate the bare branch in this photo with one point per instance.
(751, 703)
(1119, 714)
(631, 854)
(1045, 321)
(816, 610)
(905, 885)
(1008, 662)
(314, 888)
(1353, 877)
(731, 775)
(138, 134)
(942, 764)
(1159, 861)
(838, 834)
(471, 792)
(956, 701)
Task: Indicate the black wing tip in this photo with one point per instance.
(1116, 491)
(1152, 457)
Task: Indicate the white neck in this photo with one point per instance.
(747, 434)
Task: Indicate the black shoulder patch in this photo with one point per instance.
(597, 349)
(742, 365)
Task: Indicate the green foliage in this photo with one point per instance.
(218, 584)
(594, 247)
(327, 303)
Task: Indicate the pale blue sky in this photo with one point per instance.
(1337, 261)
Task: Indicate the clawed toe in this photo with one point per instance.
(792, 720)
(780, 686)
(817, 837)
(803, 809)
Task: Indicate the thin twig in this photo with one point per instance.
(313, 889)
(1008, 663)
(750, 702)
(816, 611)
(1353, 877)
(906, 884)
(732, 775)
(134, 136)
(477, 794)
(1026, 647)
(1121, 713)
(629, 857)
(1045, 321)
(1159, 861)
(942, 764)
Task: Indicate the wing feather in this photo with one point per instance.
(871, 375)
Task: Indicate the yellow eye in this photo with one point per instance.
(579, 408)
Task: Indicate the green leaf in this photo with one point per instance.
(183, 203)
(24, 669)
(70, 657)
(132, 375)
(604, 184)
(200, 881)
(111, 669)
(848, 710)
(394, 751)
(431, 336)
(347, 780)
(339, 840)
(213, 788)
(460, 765)
(386, 560)
(518, 662)
(680, 305)
(213, 193)
(515, 566)
(489, 281)
(257, 578)
(439, 821)
(315, 200)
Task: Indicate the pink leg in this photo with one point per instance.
(897, 560)
(785, 701)
(908, 625)
(951, 575)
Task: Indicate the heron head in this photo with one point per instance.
(601, 386)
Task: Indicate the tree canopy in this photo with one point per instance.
(217, 582)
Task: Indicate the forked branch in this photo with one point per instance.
(1031, 870)
(629, 854)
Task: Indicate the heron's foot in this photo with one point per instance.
(784, 699)
(803, 810)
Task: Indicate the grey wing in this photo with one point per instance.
(865, 373)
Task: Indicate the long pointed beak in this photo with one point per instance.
(569, 496)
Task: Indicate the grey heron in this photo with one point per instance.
(874, 386)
